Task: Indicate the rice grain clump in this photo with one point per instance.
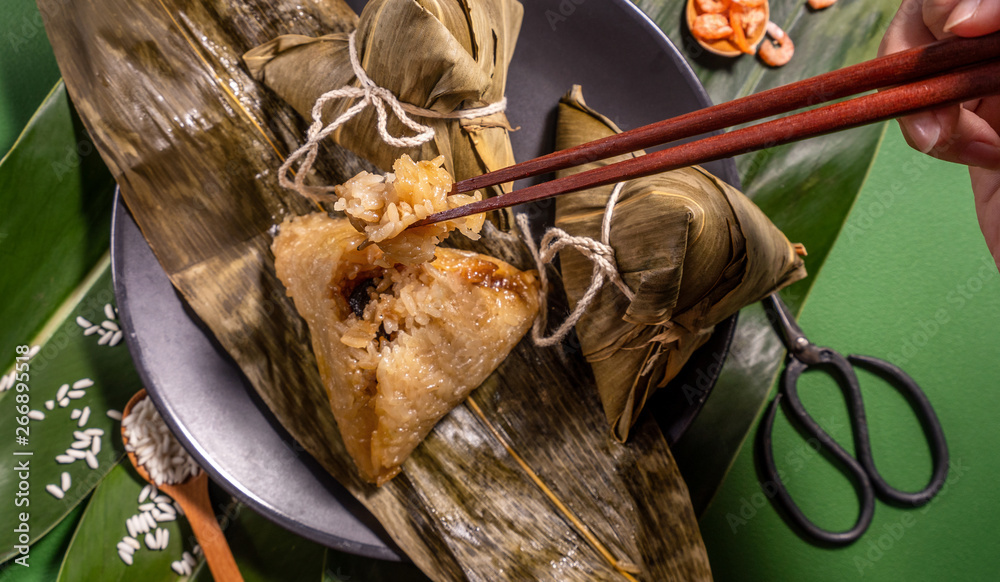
(382, 207)
(155, 447)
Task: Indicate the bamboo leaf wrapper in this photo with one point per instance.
(693, 249)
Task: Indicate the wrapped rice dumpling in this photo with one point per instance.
(398, 345)
(441, 55)
(691, 248)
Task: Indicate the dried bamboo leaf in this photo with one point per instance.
(661, 224)
(457, 55)
(193, 142)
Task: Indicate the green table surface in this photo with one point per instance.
(910, 280)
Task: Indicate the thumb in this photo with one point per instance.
(966, 18)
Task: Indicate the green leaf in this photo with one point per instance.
(807, 189)
(55, 220)
(68, 357)
(45, 556)
(28, 67)
(265, 552)
(93, 554)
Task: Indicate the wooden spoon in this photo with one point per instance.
(192, 495)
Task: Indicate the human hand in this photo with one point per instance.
(967, 133)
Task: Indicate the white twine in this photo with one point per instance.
(379, 97)
(600, 253)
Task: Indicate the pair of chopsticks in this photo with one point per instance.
(942, 73)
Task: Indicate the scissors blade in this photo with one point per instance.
(793, 336)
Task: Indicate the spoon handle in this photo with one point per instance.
(198, 509)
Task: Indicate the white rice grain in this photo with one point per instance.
(64, 459)
(64, 402)
(110, 326)
(76, 454)
(84, 416)
(132, 542)
(189, 559)
(115, 415)
(144, 494)
(65, 481)
(76, 394)
(130, 525)
(61, 393)
(92, 330)
(117, 337)
(151, 541)
(91, 460)
(162, 537)
(83, 322)
(147, 506)
(50, 404)
(123, 547)
(126, 557)
(109, 311)
(94, 432)
(147, 518)
(81, 444)
(75, 414)
(55, 491)
(83, 383)
(105, 338)
(36, 415)
(95, 446)
(177, 567)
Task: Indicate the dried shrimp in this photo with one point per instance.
(779, 50)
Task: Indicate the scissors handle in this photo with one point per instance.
(861, 469)
(932, 430)
(849, 465)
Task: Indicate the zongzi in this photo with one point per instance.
(398, 343)
(692, 249)
(440, 59)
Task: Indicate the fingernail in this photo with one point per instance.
(981, 154)
(964, 11)
(925, 131)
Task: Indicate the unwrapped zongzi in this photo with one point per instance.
(398, 343)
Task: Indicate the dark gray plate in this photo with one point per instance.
(629, 71)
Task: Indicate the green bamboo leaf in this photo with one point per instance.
(93, 554)
(265, 552)
(55, 219)
(68, 357)
(807, 189)
(28, 65)
(46, 555)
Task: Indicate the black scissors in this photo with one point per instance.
(802, 355)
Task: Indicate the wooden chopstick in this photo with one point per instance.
(951, 87)
(902, 67)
